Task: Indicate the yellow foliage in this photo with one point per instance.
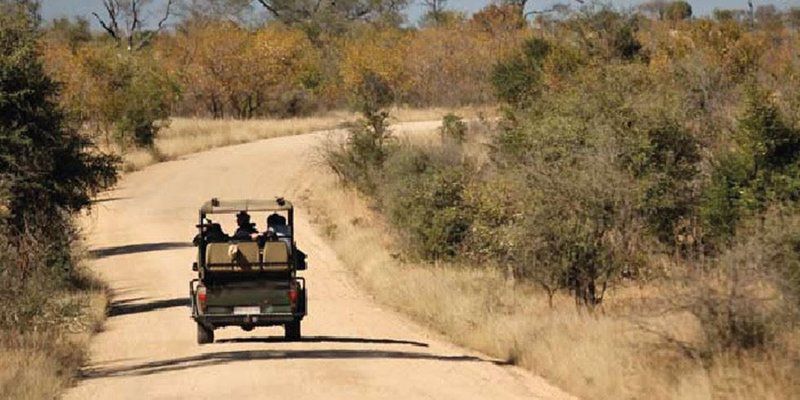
(380, 52)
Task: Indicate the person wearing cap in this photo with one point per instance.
(246, 230)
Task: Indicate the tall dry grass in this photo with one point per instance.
(192, 135)
(41, 365)
(625, 350)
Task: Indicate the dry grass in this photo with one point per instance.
(41, 365)
(605, 355)
(187, 135)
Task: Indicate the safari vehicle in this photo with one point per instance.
(247, 283)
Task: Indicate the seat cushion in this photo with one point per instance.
(276, 256)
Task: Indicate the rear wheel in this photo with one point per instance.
(204, 335)
(292, 330)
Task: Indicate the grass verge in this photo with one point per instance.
(41, 363)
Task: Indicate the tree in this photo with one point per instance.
(436, 11)
(793, 17)
(768, 16)
(728, 15)
(678, 10)
(46, 167)
(239, 11)
(496, 19)
(517, 81)
(655, 8)
(306, 11)
(124, 22)
(517, 5)
(74, 33)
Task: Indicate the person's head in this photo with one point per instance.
(243, 218)
(276, 219)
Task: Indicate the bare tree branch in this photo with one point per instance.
(107, 28)
(111, 26)
(134, 33)
(166, 17)
(272, 9)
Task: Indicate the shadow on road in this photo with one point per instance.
(125, 307)
(229, 357)
(109, 200)
(323, 339)
(137, 248)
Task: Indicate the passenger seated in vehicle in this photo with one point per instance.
(215, 234)
(212, 233)
(277, 223)
(276, 230)
(246, 229)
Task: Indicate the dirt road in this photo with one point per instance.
(353, 348)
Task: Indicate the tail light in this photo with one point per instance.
(293, 294)
(201, 298)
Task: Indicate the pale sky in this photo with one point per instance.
(58, 8)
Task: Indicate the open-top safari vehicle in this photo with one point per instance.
(248, 280)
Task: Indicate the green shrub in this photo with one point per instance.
(678, 10)
(671, 158)
(517, 81)
(423, 195)
(453, 128)
(607, 34)
(359, 160)
(761, 171)
(726, 197)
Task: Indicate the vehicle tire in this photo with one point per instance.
(204, 335)
(292, 331)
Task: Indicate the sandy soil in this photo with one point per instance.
(352, 347)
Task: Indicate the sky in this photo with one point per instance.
(60, 8)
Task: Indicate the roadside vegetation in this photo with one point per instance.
(627, 229)
(49, 305)
(185, 136)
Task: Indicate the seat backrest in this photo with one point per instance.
(217, 253)
(275, 256)
(231, 256)
(248, 253)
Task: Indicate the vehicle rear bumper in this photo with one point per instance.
(219, 320)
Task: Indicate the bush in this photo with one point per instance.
(678, 10)
(608, 34)
(737, 299)
(780, 243)
(359, 160)
(32, 273)
(518, 80)
(761, 171)
(453, 128)
(668, 173)
(422, 193)
(131, 95)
